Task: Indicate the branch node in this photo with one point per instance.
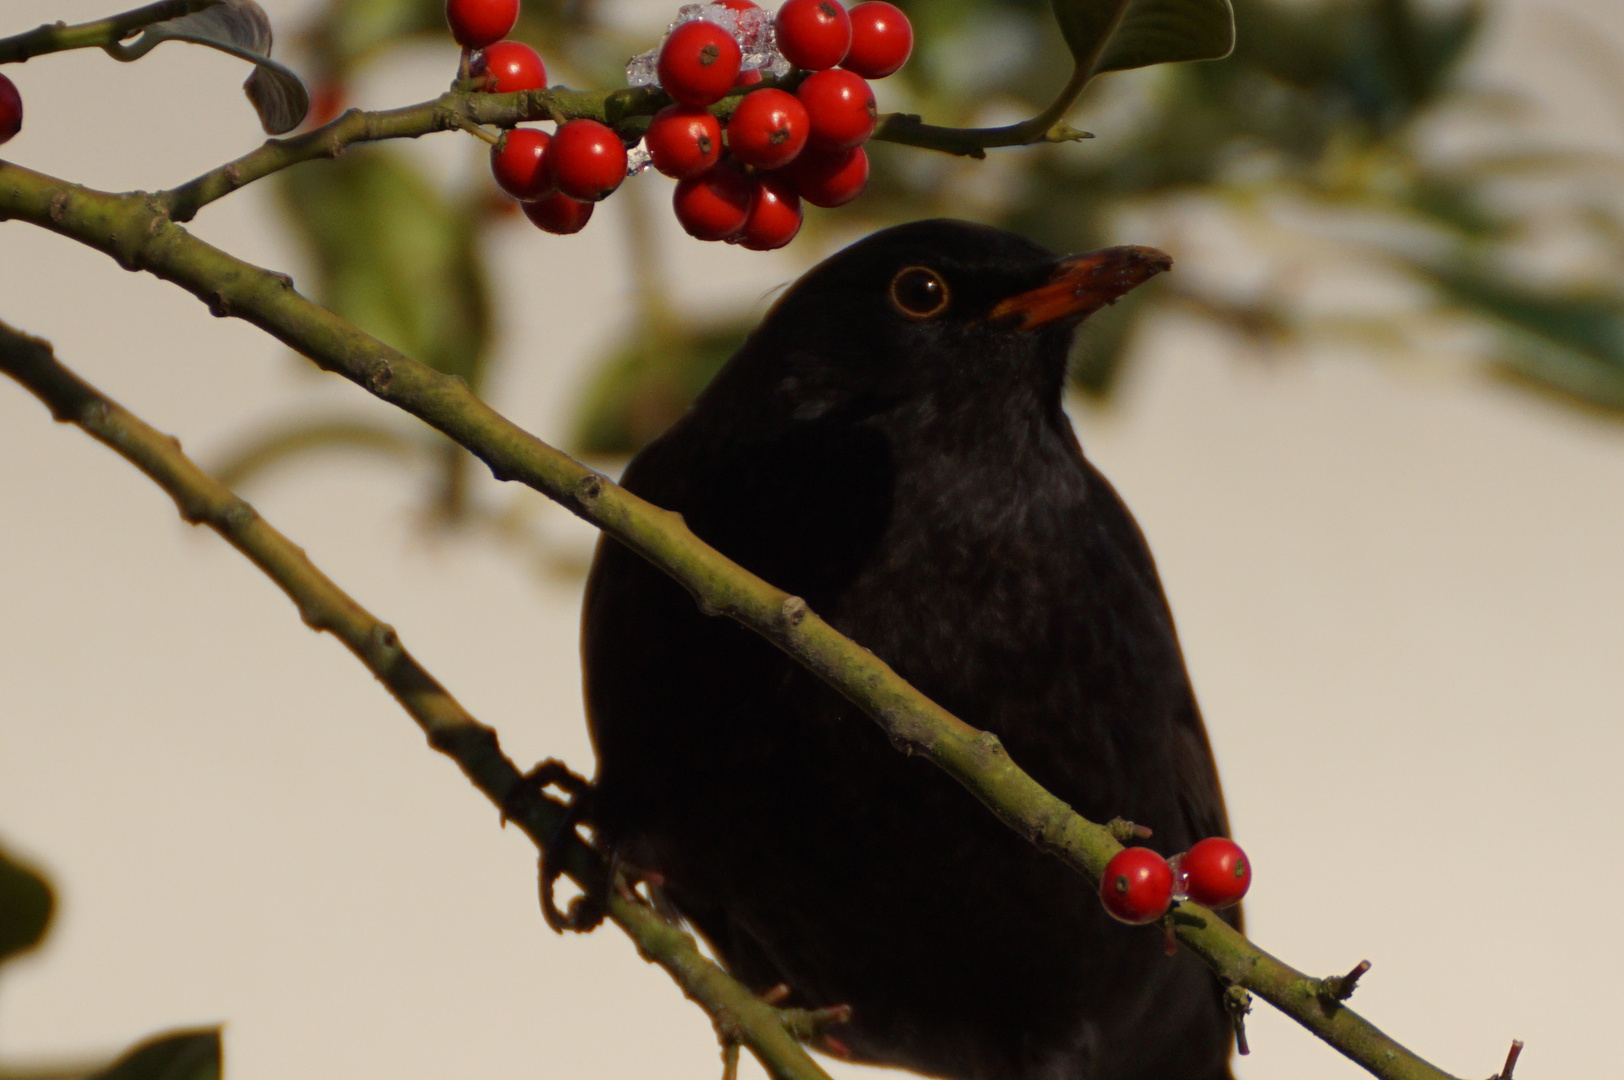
(1511, 1061)
(1339, 988)
(385, 640)
(792, 612)
(219, 306)
(589, 488)
(1124, 830)
(1239, 1003)
(380, 376)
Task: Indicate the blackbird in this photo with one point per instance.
(890, 445)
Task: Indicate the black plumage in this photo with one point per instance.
(911, 473)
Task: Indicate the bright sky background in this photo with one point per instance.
(1399, 589)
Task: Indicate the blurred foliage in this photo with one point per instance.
(26, 906)
(1325, 107)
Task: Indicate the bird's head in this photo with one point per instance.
(944, 312)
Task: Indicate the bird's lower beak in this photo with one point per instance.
(1083, 284)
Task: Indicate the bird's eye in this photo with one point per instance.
(919, 292)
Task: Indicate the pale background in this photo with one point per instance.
(1400, 591)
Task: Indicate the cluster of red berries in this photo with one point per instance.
(1139, 885)
(11, 110)
(780, 148)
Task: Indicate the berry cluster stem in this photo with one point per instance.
(101, 34)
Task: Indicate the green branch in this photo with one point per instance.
(134, 230)
(626, 110)
(101, 34)
(740, 1016)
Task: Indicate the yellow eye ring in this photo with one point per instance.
(919, 292)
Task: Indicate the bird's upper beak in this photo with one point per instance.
(1083, 284)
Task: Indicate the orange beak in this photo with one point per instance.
(1083, 284)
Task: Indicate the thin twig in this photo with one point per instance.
(101, 34)
(202, 500)
(134, 230)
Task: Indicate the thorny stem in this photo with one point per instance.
(135, 230)
(101, 34)
(202, 500)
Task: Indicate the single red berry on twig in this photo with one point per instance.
(840, 107)
(768, 128)
(698, 63)
(684, 140)
(478, 23)
(813, 34)
(520, 164)
(714, 206)
(1137, 886)
(588, 160)
(829, 178)
(558, 213)
(1216, 872)
(508, 66)
(11, 109)
(775, 214)
(881, 40)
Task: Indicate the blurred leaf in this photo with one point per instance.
(394, 256)
(302, 436)
(241, 28)
(182, 1055)
(1115, 35)
(646, 384)
(1568, 340)
(26, 907)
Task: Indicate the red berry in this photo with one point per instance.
(558, 213)
(881, 40)
(698, 63)
(588, 159)
(1216, 872)
(830, 178)
(738, 5)
(507, 66)
(714, 206)
(684, 140)
(519, 163)
(478, 23)
(813, 34)
(1137, 886)
(775, 214)
(11, 109)
(840, 106)
(768, 128)
(747, 78)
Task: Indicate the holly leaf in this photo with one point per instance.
(180, 1055)
(241, 28)
(26, 906)
(1115, 35)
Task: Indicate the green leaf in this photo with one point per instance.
(1115, 35)
(394, 256)
(26, 907)
(241, 28)
(648, 381)
(182, 1055)
(1564, 340)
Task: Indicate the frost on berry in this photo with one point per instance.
(752, 29)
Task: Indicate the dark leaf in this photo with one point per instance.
(1115, 35)
(241, 28)
(181, 1055)
(26, 906)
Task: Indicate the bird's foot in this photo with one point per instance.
(586, 911)
(810, 1026)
